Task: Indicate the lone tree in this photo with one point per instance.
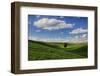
(65, 44)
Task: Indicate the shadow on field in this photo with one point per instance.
(83, 51)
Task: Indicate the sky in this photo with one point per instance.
(57, 28)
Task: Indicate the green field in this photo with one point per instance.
(47, 51)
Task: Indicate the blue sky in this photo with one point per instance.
(57, 28)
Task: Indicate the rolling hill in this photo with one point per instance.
(48, 50)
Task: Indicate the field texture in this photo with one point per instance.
(47, 51)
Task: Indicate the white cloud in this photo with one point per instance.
(33, 38)
(76, 37)
(80, 38)
(78, 31)
(84, 35)
(78, 41)
(52, 24)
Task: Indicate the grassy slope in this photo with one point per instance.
(45, 51)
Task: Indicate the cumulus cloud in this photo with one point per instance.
(78, 31)
(76, 37)
(84, 35)
(52, 24)
(80, 38)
